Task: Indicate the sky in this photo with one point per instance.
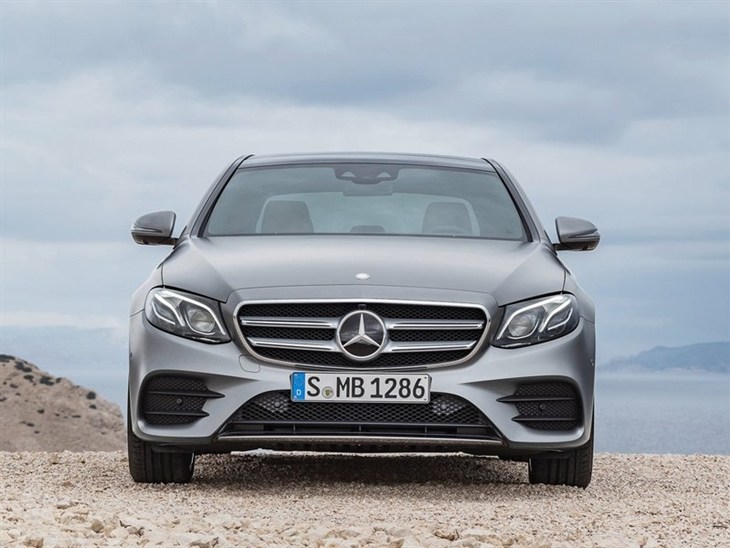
(617, 112)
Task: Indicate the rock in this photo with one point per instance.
(482, 535)
(119, 532)
(62, 416)
(448, 534)
(401, 532)
(205, 543)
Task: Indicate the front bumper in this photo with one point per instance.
(236, 377)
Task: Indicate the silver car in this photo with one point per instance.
(365, 303)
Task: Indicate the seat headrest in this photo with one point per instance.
(441, 216)
(286, 217)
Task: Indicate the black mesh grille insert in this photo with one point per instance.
(333, 359)
(433, 335)
(175, 400)
(176, 384)
(289, 333)
(546, 405)
(445, 415)
(168, 402)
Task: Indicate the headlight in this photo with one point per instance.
(186, 315)
(537, 321)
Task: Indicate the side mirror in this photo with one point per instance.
(576, 234)
(155, 228)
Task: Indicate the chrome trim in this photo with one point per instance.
(362, 336)
(332, 323)
(362, 440)
(308, 323)
(417, 346)
(332, 346)
(294, 344)
(431, 324)
(477, 345)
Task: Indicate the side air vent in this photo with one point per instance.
(175, 400)
(546, 405)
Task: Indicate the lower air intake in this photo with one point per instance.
(175, 400)
(446, 415)
(546, 405)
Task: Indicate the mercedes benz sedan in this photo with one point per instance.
(363, 303)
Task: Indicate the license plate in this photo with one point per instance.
(354, 387)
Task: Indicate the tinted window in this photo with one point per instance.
(365, 199)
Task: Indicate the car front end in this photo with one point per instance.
(364, 342)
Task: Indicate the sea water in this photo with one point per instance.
(681, 413)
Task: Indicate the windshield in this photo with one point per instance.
(365, 198)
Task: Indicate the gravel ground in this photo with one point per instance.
(88, 499)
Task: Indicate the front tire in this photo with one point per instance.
(149, 466)
(575, 468)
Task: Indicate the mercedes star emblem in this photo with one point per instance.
(361, 335)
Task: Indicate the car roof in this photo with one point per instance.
(367, 157)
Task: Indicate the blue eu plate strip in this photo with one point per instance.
(297, 386)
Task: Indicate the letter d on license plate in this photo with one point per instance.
(354, 387)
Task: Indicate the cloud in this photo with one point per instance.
(616, 114)
(551, 69)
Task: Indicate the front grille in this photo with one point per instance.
(446, 415)
(546, 405)
(418, 335)
(175, 400)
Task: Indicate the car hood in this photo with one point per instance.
(508, 271)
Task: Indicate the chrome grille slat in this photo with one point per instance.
(420, 334)
(293, 344)
(294, 323)
(431, 324)
(331, 323)
(331, 346)
(429, 347)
